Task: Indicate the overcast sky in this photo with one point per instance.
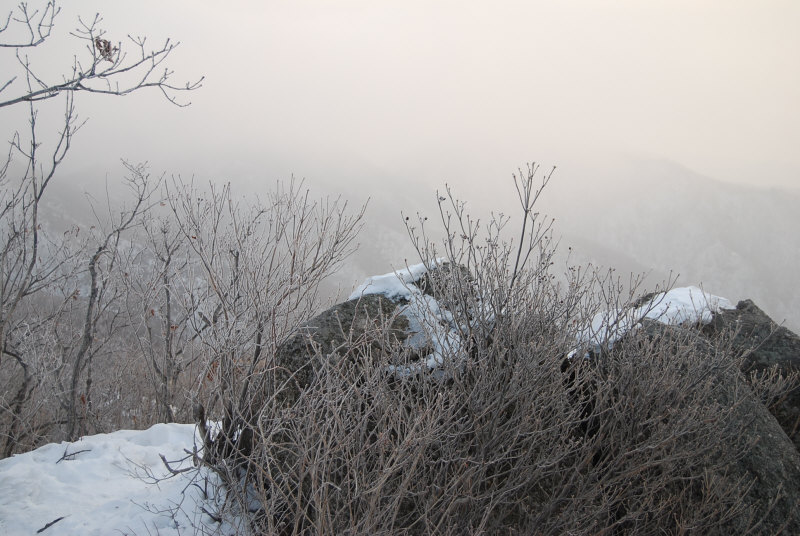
(455, 91)
(637, 102)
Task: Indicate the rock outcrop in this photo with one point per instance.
(392, 311)
(373, 319)
(398, 311)
(772, 463)
(765, 346)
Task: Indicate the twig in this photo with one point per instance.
(216, 518)
(69, 456)
(53, 522)
(174, 471)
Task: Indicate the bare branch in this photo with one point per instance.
(38, 24)
(107, 69)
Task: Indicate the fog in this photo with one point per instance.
(675, 126)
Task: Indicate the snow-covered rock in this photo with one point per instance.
(685, 306)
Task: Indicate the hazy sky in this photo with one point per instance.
(454, 91)
(637, 102)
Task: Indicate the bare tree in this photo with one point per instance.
(45, 276)
(261, 267)
(166, 305)
(101, 306)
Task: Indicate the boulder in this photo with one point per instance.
(395, 310)
(372, 318)
(772, 463)
(765, 346)
(393, 318)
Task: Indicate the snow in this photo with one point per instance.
(109, 484)
(688, 305)
(430, 324)
(398, 284)
(678, 306)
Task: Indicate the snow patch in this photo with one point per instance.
(110, 484)
(430, 325)
(397, 284)
(679, 306)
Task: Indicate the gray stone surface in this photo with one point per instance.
(373, 318)
(772, 463)
(765, 345)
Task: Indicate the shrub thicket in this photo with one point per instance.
(517, 433)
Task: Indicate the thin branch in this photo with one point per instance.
(38, 25)
(96, 77)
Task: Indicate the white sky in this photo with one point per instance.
(455, 90)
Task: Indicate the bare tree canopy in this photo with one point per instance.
(103, 66)
(60, 288)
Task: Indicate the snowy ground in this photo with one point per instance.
(108, 484)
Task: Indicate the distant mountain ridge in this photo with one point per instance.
(652, 216)
(738, 241)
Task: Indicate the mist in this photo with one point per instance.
(674, 126)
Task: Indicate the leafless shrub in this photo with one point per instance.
(260, 267)
(638, 438)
